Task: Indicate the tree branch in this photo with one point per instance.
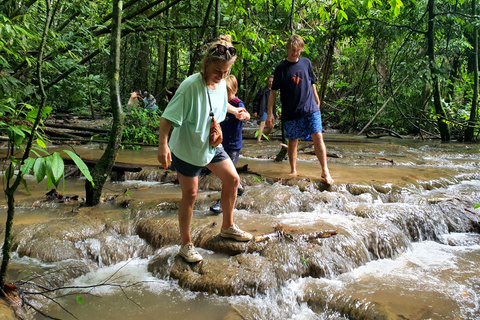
(394, 25)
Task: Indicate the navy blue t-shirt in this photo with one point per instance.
(232, 128)
(294, 80)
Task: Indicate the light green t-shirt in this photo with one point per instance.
(189, 112)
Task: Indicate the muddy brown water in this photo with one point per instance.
(406, 243)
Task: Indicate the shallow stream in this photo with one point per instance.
(405, 245)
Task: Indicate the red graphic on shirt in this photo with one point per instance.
(296, 79)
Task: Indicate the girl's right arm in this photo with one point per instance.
(164, 155)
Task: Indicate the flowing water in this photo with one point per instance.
(406, 242)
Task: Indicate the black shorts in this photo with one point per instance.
(233, 154)
(190, 170)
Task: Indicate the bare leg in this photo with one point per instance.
(230, 180)
(260, 131)
(321, 153)
(292, 155)
(189, 186)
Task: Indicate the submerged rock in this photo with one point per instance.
(54, 240)
(244, 274)
(348, 306)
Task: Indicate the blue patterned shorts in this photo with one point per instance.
(303, 127)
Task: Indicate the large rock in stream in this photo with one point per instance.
(244, 274)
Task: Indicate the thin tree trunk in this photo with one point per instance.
(327, 67)
(143, 63)
(469, 133)
(194, 59)
(104, 166)
(217, 18)
(10, 189)
(443, 126)
(174, 59)
(292, 11)
(165, 65)
(92, 110)
(159, 84)
(384, 105)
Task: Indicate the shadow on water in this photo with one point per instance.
(396, 237)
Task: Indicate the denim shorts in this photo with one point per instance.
(301, 128)
(190, 170)
(264, 116)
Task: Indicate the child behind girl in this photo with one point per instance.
(232, 131)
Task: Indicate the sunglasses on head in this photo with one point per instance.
(222, 50)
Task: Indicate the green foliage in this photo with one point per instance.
(377, 44)
(140, 127)
(263, 135)
(44, 165)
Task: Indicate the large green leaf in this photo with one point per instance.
(81, 165)
(39, 169)
(28, 165)
(57, 166)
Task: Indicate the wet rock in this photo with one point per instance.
(356, 189)
(158, 232)
(6, 313)
(153, 174)
(12, 308)
(227, 246)
(62, 273)
(54, 241)
(48, 250)
(111, 248)
(346, 305)
(244, 274)
(209, 182)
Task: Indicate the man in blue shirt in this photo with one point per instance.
(300, 105)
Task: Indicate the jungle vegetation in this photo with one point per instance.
(410, 67)
(414, 61)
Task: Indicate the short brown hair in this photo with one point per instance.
(295, 41)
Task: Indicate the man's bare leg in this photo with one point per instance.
(321, 153)
(260, 130)
(292, 155)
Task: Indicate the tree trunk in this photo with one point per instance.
(165, 67)
(106, 162)
(10, 189)
(174, 59)
(327, 67)
(443, 126)
(193, 61)
(292, 13)
(143, 63)
(469, 132)
(217, 18)
(159, 83)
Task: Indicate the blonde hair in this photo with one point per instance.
(211, 57)
(232, 84)
(296, 42)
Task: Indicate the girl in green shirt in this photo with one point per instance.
(189, 112)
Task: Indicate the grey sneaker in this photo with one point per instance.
(189, 253)
(236, 233)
